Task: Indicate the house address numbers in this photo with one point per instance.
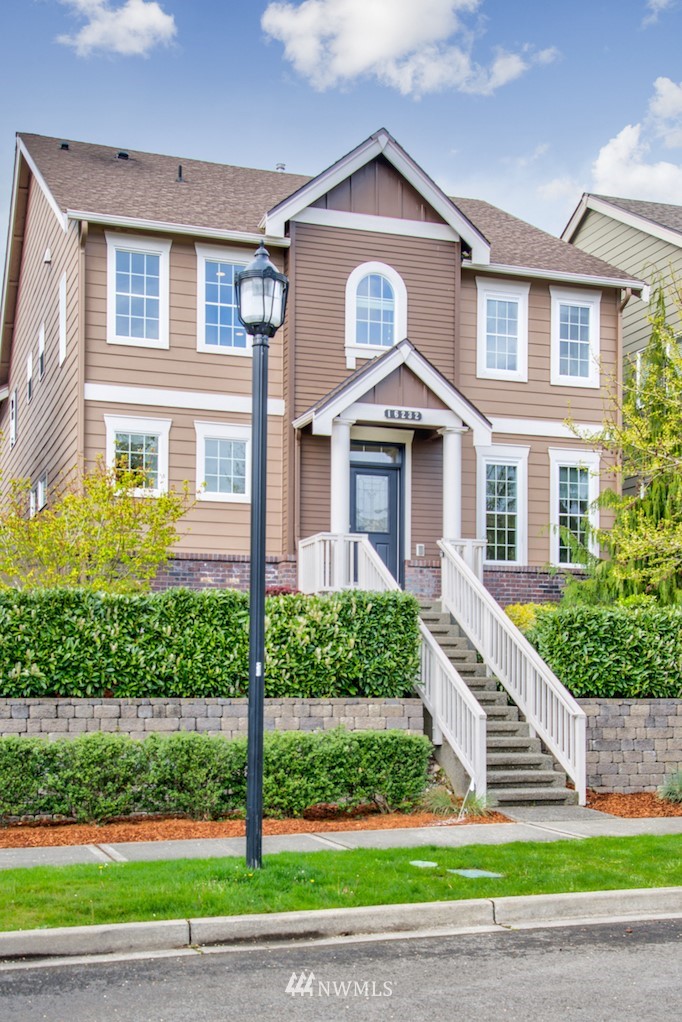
(406, 414)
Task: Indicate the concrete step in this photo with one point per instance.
(499, 778)
(518, 760)
(501, 743)
(533, 796)
(504, 712)
(512, 728)
(489, 698)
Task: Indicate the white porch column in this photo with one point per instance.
(452, 481)
(340, 476)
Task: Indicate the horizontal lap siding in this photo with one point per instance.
(210, 526)
(427, 489)
(48, 426)
(315, 484)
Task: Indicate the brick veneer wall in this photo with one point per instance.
(632, 744)
(66, 718)
(222, 571)
(515, 584)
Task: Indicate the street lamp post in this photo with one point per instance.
(261, 297)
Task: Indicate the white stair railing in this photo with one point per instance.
(550, 709)
(328, 562)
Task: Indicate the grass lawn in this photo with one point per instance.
(48, 896)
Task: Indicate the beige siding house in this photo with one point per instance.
(432, 351)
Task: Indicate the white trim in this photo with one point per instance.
(139, 424)
(168, 227)
(4, 393)
(636, 220)
(13, 418)
(221, 431)
(504, 269)
(504, 454)
(431, 418)
(41, 351)
(591, 300)
(507, 291)
(378, 144)
(238, 257)
(353, 349)
(394, 436)
(560, 457)
(376, 224)
(29, 377)
(61, 358)
(14, 201)
(51, 201)
(157, 397)
(541, 427)
(152, 246)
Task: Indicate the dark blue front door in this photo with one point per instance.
(376, 499)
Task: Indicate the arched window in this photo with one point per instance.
(376, 311)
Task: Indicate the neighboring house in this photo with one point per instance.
(120, 338)
(643, 238)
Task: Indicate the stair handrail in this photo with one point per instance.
(550, 709)
(329, 562)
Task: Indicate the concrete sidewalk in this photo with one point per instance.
(530, 824)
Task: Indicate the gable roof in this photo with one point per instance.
(517, 245)
(321, 414)
(660, 219)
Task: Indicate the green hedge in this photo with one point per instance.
(99, 776)
(179, 643)
(614, 652)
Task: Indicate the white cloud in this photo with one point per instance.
(406, 45)
(132, 29)
(623, 168)
(665, 112)
(655, 8)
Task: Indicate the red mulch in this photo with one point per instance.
(637, 805)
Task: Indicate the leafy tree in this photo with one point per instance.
(96, 532)
(643, 436)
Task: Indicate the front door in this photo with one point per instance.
(376, 499)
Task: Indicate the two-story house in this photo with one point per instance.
(432, 350)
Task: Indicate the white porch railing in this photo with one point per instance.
(329, 562)
(472, 552)
(551, 711)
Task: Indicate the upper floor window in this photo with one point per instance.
(575, 337)
(218, 326)
(502, 332)
(376, 311)
(223, 462)
(137, 290)
(139, 445)
(574, 487)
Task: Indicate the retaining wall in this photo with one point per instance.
(632, 744)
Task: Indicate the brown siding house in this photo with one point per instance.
(433, 349)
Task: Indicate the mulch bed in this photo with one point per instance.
(635, 806)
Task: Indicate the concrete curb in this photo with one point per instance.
(484, 913)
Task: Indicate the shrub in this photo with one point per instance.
(615, 652)
(96, 777)
(671, 791)
(180, 643)
(523, 615)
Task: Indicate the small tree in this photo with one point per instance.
(643, 435)
(97, 532)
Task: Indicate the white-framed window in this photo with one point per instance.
(502, 488)
(138, 444)
(41, 351)
(218, 326)
(502, 330)
(573, 489)
(138, 271)
(223, 462)
(61, 357)
(13, 417)
(38, 495)
(29, 377)
(575, 337)
(376, 311)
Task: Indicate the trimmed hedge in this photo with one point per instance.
(183, 643)
(613, 652)
(99, 776)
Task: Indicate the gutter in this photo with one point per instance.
(245, 237)
(568, 278)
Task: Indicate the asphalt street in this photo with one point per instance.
(595, 973)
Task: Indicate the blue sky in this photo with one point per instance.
(520, 102)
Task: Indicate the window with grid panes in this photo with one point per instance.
(574, 340)
(501, 512)
(222, 327)
(502, 334)
(574, 503)
(224, 466)
(375, 311)
(139, 453)
(138, 294)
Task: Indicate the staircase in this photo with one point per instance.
(518, 771)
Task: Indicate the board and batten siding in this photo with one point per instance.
(637, 253)
(48, 427)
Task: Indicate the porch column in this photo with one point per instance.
(340, 476)
(452, 481)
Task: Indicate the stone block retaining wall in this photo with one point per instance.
(632, 744)
(65, 718)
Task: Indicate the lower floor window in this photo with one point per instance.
(501, 510)
(574, 487)
(139, 453)
(139, 445)
(574, 503)
(225, 466)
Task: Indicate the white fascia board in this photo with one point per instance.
(376, 224)
(62, 218)
(167, 227)
(4, 393)
(573, 224)
(157, 397)
(542, 428)
(431, 418)
(558, 275)
(623, 216)
(10, 235)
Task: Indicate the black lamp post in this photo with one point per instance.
(261, 298)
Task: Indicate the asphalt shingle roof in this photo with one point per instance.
(662, 213)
